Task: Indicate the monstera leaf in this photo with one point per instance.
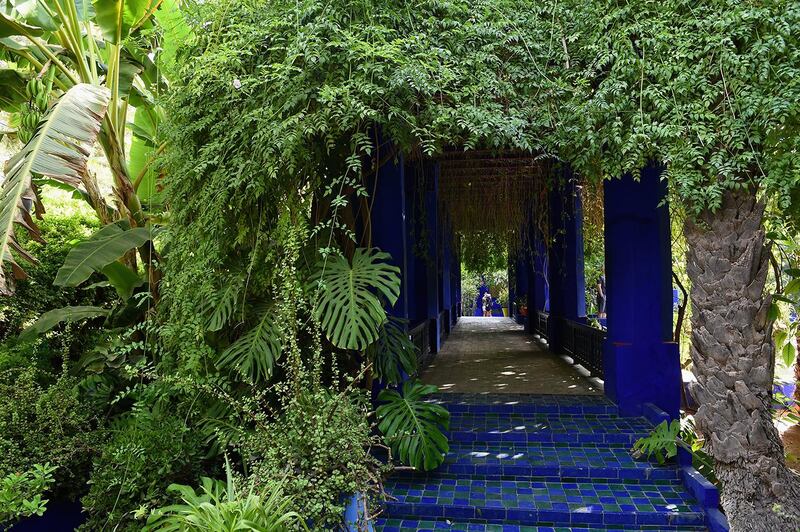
(348, 306)
(412, 426)
(393, 352)
(255, 352)
(58, 149)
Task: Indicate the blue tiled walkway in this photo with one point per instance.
(527, 462)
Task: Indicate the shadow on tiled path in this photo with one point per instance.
(495, 355)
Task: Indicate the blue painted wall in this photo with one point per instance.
(641, 362)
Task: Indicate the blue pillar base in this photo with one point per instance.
(436, 337)
(631, 383)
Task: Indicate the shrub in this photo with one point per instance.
(37, 294)
(22, 494)
(41, 423)
(319, 449)
(147, 451)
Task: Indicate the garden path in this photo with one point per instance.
(495, 355)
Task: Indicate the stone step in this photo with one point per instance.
(542, 427)
(543, 503)
(511, 460)
(414, 525)
(525, 403)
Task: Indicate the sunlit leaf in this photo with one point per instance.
(59, 149)
(50, 319)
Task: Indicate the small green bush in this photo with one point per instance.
(222, 506)
(318, 449)
(42, 423)
(37, 294)
(22, 494)
(145, 454)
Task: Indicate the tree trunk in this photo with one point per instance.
(734, 362)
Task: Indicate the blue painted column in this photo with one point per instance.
(457, 287)
(511, 275)
(388, 218)
(540, 285)
(415, 228)
(432, 258)
(454, 267)
(447, 265)
(641, 362)
(565, 266)
(522, 266)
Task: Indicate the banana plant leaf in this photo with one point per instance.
(104, 247)
(12, 90)
(59, 149)
(119, 18)
(50, 319)
(10, 26)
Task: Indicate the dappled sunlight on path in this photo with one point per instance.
(495, 355)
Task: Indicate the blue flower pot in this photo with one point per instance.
(355, 515)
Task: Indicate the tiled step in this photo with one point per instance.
(413, 525)
(544, 503)
(525, 404)
(546, 459)
(542, 427)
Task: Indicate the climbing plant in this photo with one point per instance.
(279, 112)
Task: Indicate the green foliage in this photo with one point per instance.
(392, 352)
(22, 494)
(42, 422)
(103, 248)
(146, 452)
(413, 426)
(347, 307)
(51, 318)
(319, 450)
(221, 506)
(662, 442)
(711, 89)
(484, 251)
(36, 294)
(254, 353)
(59, 150)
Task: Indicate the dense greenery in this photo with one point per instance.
(316, 452)
(253, 324)
(42, 421)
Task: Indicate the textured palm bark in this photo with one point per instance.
(734, 362)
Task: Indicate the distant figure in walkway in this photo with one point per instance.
(601, 295)
(487, 305)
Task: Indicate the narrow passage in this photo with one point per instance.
(495, 355)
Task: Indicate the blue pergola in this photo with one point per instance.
(637, 357)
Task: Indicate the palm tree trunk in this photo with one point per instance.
(734, 362)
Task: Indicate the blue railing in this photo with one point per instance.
(582, 343)
(420, 337)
